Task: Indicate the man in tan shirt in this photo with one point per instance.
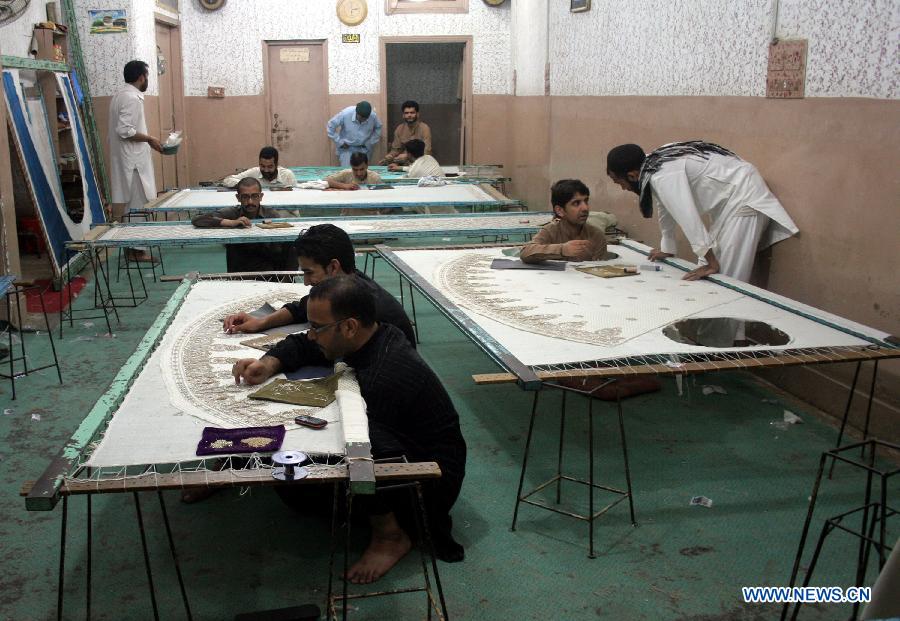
(351, 179)
(411, 128)
(569, 237)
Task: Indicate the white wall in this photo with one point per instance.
(15, 37)
(529, 46)
(104, 54)
(225, 47)
(713, 47)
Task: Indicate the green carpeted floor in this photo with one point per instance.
(249, 552)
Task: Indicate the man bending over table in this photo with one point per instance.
(324, 251)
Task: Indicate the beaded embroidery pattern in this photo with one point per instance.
(199, 371)
(571, 305)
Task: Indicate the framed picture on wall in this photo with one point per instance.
(579, 6)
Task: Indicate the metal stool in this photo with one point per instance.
(14, 290)
(435, 601)
(874, 514)
(559, 477)
(102, 301)
(147, 216)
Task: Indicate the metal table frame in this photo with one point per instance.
(359, 476)
(530, 378)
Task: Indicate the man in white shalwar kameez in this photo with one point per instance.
(686, 181)
(131, 179)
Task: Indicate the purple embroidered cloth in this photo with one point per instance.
(216, 441)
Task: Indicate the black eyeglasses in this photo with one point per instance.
(246, 197)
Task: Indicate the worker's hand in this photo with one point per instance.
(393, 167)
(352, 186)
(243, 221)
(701, 272)
(154, 144)
(577, 250)
(242, 322)
(254, 371)
(659, 255)
(251, 371)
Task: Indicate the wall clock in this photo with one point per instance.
(352, 12)
(212, 5)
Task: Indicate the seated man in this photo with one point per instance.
(268, 172)
(421, 165)
(263, 257)
(410, 128)
(325, 251)
(409, 412)
(351, 178)
(686, 181)
(569, 237)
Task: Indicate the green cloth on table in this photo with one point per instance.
(316, 393)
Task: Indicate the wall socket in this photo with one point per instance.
(215, 92)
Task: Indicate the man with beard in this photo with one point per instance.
(411, 128)
(262, 257)
(686, 181)
(409, 412)
(355, 129)
(569, 237)
(268, 172)
(131, 180)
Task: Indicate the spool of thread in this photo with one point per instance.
(288, 465)
(630, 269)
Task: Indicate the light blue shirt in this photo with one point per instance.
(344, 127)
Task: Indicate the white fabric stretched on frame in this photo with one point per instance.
(544, 339)
(157, 421)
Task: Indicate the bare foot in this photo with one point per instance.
(384, 551)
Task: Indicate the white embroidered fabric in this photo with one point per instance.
(187, 385)
(461, 193)
(553, 317)
(386, 225)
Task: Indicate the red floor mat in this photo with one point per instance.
(53, 300)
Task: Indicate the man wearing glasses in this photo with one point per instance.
(409, 412)
(266, 257)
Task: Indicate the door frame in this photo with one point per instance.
(176, 67)
(266, 43)
(466, 147)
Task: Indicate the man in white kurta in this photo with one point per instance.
(688, 181)
(421, 164)
(268, 172)
(131, 179)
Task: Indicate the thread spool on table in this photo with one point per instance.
(289, 465)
